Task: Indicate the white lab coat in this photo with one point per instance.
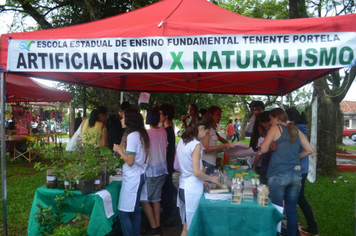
(132, 174)
(193, 186)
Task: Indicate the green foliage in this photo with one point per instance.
(333, 204)
(48, 218)
(69, 230)
(270, 9)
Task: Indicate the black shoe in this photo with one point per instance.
(152, 232)
(311, 232)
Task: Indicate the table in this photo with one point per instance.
(224, 218)
(30, 153)
(99, 224)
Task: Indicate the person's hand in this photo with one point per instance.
(228, 146)
(206, 185)
(214, 179)
(183, 117)
(117, 148)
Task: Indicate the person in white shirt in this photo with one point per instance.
(211, 148)
(133, 150)
(191, 182)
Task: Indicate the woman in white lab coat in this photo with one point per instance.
(133, 150)
(191, 182)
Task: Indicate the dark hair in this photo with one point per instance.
(192, 131)
(124, 105)
(134, 122)
(168, 110)
(212, 109)
(296, 117)
(153, 117)
(203, 111)
(251, 104)
(255, 134)
(79, 114)
(94, 114)
(265, 117)
(195, 106)
(236, 119)
(230, 121)
(282, 116)
(259, 104)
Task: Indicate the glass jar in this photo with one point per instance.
(51, 179)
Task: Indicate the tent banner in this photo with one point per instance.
(203, 53)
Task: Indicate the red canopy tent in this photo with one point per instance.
(190, 46)
(22, 89)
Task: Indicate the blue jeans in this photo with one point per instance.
(286, 186)
(209, 168)
(131, 221)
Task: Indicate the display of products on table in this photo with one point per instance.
(243, 184)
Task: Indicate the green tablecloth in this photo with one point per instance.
(224, 218)
(99, 224)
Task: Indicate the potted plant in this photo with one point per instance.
(89, 167)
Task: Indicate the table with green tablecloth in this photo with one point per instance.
(225, 218)
(91, 204)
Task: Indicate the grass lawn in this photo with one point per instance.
(333, 204)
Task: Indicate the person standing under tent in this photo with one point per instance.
(93, 129)
(300, 121)
(133, 150)
(257, 107)
(266, 157)
(77, 121)
(114, 127)
(255, 161)
(191, 182)
(211, 148)
(156, 171)
(167, 111)
(193, 111)
(284, 172)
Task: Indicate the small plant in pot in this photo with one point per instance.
(89, 167)
(88, 175)
(69, 172)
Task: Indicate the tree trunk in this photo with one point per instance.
(327, 115)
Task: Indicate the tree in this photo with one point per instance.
(329, 96)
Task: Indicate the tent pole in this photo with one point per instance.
(3, 155)
(121, 97)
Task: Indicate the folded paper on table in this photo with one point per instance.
(117, 178)
(217, 196)
(240, 150)
(106, 196)
(280, 209)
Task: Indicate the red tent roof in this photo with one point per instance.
(187, 18)
(23, 89)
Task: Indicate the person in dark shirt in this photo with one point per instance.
(168, 190)
(77, 121)
(114, 127)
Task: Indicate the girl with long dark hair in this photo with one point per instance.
(133, 150)
(191, 182)
(93, 129)
(210, 142)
